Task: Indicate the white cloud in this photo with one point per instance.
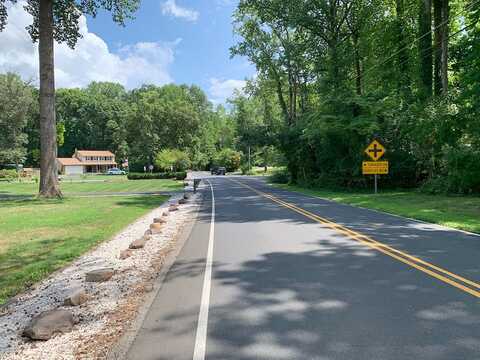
(91, 60)
(170, 7)
(221, 90)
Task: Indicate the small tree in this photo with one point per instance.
(58, 20)
(229, 158)
(172, 160)
(16, 98)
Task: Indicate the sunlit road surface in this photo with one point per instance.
(271, 274)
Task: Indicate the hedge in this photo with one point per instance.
(180, 175)
(8, 174)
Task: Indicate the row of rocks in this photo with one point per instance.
(48, 323)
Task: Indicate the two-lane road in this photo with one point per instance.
(271, 274)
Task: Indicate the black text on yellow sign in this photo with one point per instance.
(375, 150)
(375, 167)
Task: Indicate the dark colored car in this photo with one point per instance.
(218, 171)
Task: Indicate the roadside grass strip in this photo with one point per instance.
(435, 271)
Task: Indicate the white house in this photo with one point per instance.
(86, 161)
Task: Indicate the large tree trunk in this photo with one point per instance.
(425, 47)
(445, 34)
(49, 186)
(403, 57)
(441, 15)
(358, 64)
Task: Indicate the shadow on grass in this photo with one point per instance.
(23, 265)
(145, 202)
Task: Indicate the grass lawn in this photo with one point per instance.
(94, 185)
(460, 212)
(38, 237)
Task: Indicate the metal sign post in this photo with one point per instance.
(376, 187)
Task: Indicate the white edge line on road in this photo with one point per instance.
(201, 335)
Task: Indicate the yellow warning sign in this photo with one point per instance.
(375, 150)
(375, 167)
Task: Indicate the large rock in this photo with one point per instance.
(139, 243)
(48, 323)
(159, 220)
(173, 208)
(125, 254)
(76, 297)
(182, 201)
(165, 213)
(156, 228)
(99, 275)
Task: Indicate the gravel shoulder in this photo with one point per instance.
(112, 306)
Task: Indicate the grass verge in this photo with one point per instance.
(111, 185)
(459, 212)
(38, 237)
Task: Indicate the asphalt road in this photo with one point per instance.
(280, 275)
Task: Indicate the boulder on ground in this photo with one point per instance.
(165, 213)
(173, 208)
(148, 287)
(156, 228)
(99, 275)
(139, 243)
(159, 220)
(48, 323)
(182, 201)
(125, 254)
(76, 297)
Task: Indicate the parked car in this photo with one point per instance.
(115, 171)
(218, 171)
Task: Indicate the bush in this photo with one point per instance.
(246, 170)
(8, 175)
(460, 173)
(228, 158)
(280, 177)
(175, 159)
(180, 175)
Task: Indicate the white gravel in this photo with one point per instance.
(105, 297)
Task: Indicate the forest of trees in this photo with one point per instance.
(334, 74)
(136, 125)
(331, 76)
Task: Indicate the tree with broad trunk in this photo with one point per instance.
(58, 20)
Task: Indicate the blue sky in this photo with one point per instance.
(180, 41)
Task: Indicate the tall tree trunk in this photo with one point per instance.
(358, 65)
(403, 57)
(425, 47)
(49, 186)
(444, 47)
(437, 19)
(441, 17)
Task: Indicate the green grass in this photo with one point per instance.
(38, 237)
(459, 212)
(107, 185)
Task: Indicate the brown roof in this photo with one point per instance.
(94, 153)
(69, 161)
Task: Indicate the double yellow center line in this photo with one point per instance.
(437, 272)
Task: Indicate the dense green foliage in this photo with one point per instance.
(333, 75)
(173, 127)
(16, 103)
